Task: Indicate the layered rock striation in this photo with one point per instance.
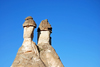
(40, 55)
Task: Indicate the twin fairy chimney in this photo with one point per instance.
(40, 55)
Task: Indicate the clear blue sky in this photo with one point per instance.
(75, 34)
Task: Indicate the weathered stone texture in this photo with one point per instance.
(47, 53)
(44, 37)
(28, 55)
(49, 56)
(44, 25)
(29, 22)
(28, 59)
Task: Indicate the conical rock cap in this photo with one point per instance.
(29, 22)
(44, 25)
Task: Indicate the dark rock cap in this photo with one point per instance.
(29, 22)
(29, 17)
(44, 26)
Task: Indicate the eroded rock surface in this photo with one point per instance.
(29, 22)
(28, 55)
(44, 26)
(47, 53)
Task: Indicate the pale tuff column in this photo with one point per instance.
(44, 37)
(28, 44)
(28, 55)
(47, 52)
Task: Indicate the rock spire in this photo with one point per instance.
(28, 55)
(40, 55)
(47, 53)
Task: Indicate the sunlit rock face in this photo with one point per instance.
(47, 52)
(28, 55)
(40, 55)
(44, 37)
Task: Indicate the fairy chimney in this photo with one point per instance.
(47, 53)
(28, 55)
(44, 32)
